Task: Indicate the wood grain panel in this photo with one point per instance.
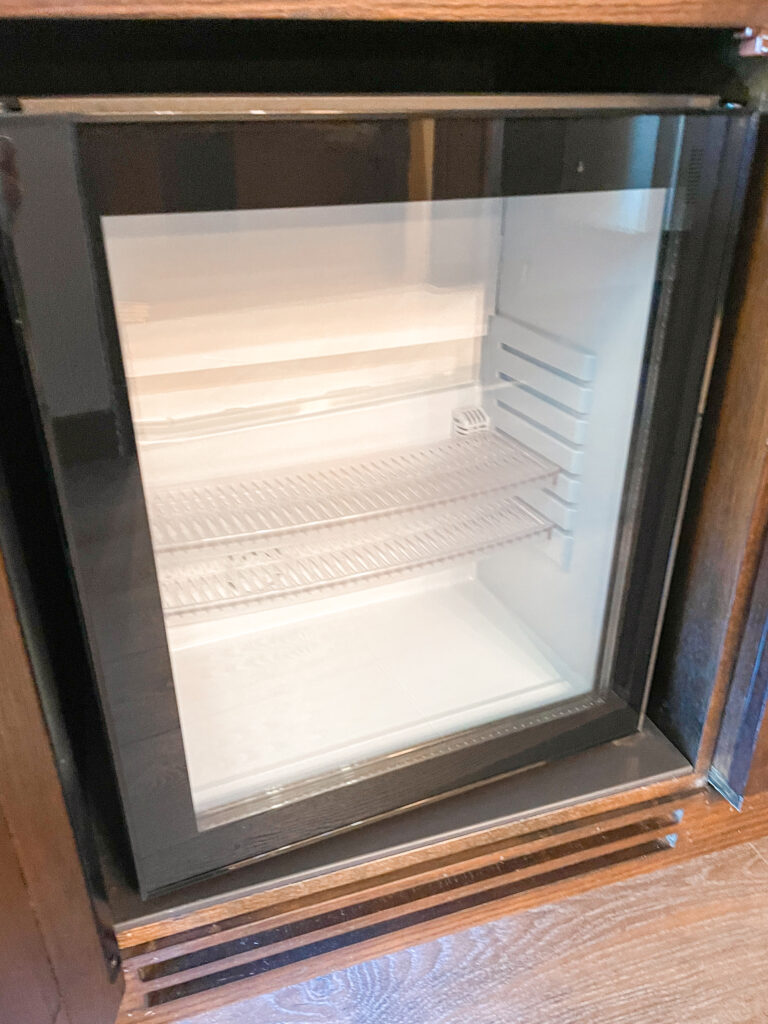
(32, 805)
(728, 505)
(737, 761)
(28, 990)
(617, 12)
(686, 944)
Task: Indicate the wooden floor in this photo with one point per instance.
(688, 944)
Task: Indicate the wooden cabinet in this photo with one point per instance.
(271, 924)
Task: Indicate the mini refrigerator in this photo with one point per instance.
(370, 421)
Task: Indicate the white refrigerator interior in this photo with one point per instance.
(383, 449)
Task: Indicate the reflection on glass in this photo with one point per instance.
(383, 449)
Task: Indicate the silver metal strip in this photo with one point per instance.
(310, 105)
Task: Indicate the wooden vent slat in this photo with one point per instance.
(268, 946)
(440, 887)
(416, 918)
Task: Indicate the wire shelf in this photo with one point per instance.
(190, 517)
(264, 573)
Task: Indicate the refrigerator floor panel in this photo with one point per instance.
(267, 701)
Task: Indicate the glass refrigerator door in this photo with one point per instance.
(383, 449)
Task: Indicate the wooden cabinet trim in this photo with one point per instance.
(33, 993)
(728, 505)
(701, 13)
(740, 445)
(738, 758)
(32, 806)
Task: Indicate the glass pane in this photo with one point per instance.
(384, 450)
